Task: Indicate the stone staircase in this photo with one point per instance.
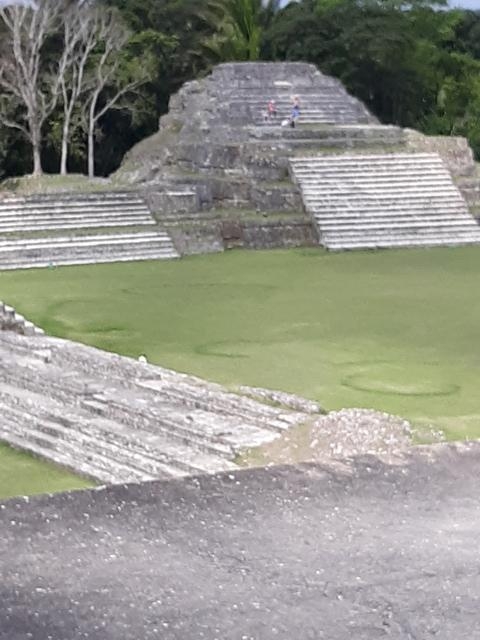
(357, 184)
(67, 229)
(118, 420)
(73, 211)
(378, 201)
(315, 108)
(242, 96)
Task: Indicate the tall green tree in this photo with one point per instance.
(467, 34)
(241, 28)
(388, 56)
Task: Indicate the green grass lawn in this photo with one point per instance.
(393, 330)
(21, 474)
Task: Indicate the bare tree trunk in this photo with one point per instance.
(64, 156)
(91, 148)
(113, 35)
(29, 89)
(80, 37)
(37, 162)
(37, 156)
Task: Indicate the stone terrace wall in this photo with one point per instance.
(10, 320)
(454, 150)
(458, 157)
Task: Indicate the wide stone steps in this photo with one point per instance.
(118, 420)
(320, 118)
(388, 211)
(392, 242)
(382, 191)
(49, 213)
(193, 425)
(401, 177)
(315, 108)
(149, 452)
(354, 201)
(172, 391)
(72, 455)
(45, 252)
(402, 231)
(89, 259)
(167, 422)
(378, 172)
(128, 423)
(383, 159)
(382, 200)
(407, 223)
(176, 424)
(84, 222)
(85, 240)
(124, 213)
(19, 440)
(308, 101)
(228, 404)
(255, 95)
(67, 203)
(155, 448)
(126, 454)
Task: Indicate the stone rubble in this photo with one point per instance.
(352, 432)
(340, 435)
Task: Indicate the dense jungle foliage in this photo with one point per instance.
(415, 64)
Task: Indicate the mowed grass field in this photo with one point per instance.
(21, 474)
(394, 330)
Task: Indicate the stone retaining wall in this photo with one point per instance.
(218, 235)
(454, 150)
(10, 320)
(277, 234)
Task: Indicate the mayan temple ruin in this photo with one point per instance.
(220, 174)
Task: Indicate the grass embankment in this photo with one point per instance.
(54, 183)
(393, 330)
(21, 474)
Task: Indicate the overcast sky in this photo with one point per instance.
(467, 4)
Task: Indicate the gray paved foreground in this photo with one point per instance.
(362, 551)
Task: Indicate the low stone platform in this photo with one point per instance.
(365, 549)
(76, 228)
(115, 419)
